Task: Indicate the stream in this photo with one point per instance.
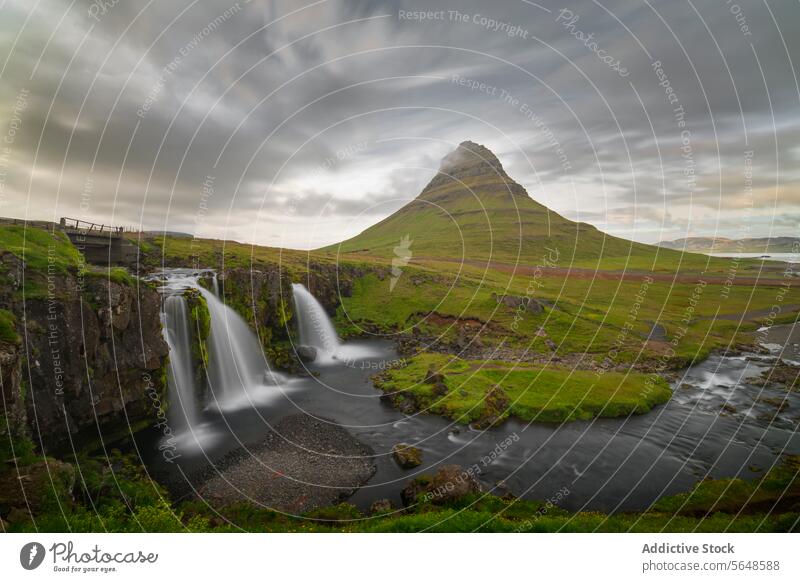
(718, 422)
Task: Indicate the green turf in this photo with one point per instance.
(537, 393)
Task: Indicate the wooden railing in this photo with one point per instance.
(93, 227)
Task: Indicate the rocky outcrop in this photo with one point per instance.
(519, 303)
(90, 357)
(307, 353)
(450, 483)
(329, 282)
(407, 456)
(27, 490)
(496, 408)
(263, 297)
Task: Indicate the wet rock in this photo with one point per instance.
(780, 403)
(100, 359)
(381, 506)
(407, 456)
(450, 483)
(307, 353)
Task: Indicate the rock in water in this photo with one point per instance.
(307, 353)
(450, 483)
(381, 506)
(407, 456)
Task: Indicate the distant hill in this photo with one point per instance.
(705, 244)
(472, 209)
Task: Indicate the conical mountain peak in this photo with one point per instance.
(468, 160)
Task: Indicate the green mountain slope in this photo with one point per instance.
(473, 209)
(707, 244)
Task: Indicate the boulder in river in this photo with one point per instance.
(381, 506)
(407, 456)
(307, 353)
(450, 483)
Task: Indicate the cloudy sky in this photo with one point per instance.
(299, 123)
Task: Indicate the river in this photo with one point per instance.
(717, 424)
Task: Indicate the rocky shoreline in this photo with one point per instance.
(303, 464)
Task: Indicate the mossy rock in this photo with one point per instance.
(407, 456)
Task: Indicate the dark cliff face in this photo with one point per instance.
(90, 360)
(330, 282)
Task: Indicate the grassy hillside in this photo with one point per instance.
(472, 210)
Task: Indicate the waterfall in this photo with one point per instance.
(238, 372)
(180, 376)
(314, 325)
(215, 285)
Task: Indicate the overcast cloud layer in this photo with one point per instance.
(298, 125)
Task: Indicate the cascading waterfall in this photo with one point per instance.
(180, 376)
(238, 372)
(314, 325)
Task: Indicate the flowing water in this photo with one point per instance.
(180, 376)
(238, 375)
(719, 423)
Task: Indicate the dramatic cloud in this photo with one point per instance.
(301, 124)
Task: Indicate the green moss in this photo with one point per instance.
(492, 390)
(40, 248)
(200, 324)
(8, 327)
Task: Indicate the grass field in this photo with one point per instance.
(535, 393)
